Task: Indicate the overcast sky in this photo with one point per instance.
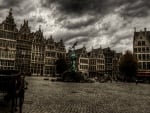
(105, 23)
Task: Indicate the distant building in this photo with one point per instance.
(60, 49)
(109, 55)
(8, 41)
(115, 66)
(82, 61)
(30, 53)
(141, 49)
(26, 51)
(50, 57)
(37, 54)
(96, 63)
(24, 45)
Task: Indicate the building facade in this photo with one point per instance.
(115, 66)
(8, 41)
(50, 57)
(60, 49)
(82, 61)
(109, 55)
(96, 63)
(38, 54)
(31, 53)
(141, 49)
(24, 45)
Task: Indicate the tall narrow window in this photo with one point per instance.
(139, 43)
(143, 43)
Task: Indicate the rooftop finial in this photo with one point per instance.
(134, 29)
(100, 47)
(10, 11)
(39, 27)
(51, 36)
(83, 45)
(145, 29)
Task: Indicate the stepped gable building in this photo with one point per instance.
(82, 60)
(37, 53)
(24, 45)
(115, 66)
(8, 33)
(28, 51)
(96, 63)
(141, 49)
(109, 54)
(50, 57)
(60, 49)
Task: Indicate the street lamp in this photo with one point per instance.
(23, 62)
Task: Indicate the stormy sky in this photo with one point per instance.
(105, 23)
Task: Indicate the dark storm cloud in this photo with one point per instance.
(79, 24)
(105, 22)
(10, 3)
(118, 39)
(135, 8)
(132, 8)
(80, 40)
(69, 35)
(35, 19)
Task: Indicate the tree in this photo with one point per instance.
(61, 65)
(128, 65)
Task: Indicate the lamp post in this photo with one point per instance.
(23, 62)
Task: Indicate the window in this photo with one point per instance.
(143, 56)
(139, 49)
(143, 49)
(140, 57)
(135, 49)
(144, 65)
(148, 65)
(139, 43)
(147, 49)
(143, 43)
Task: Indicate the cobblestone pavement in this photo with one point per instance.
(44, 96)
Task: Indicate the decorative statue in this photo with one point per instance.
(73, 58)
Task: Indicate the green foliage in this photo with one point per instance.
(128, 65)
(61, 65)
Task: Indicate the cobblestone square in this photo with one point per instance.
(44, 96)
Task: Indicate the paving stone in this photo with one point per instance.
(57, 97)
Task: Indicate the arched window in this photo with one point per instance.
(143, 56)
(147, 49)
(143, 43)
(139, 43)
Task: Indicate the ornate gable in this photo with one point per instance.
(84, 52)
(8, 23)
(25, 29)
(38, 37)
(50, 40)
(142, 38)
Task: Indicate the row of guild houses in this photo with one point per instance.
(26, 51)
(97, 62)
(31, 53)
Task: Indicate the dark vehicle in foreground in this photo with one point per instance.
(12, 86)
